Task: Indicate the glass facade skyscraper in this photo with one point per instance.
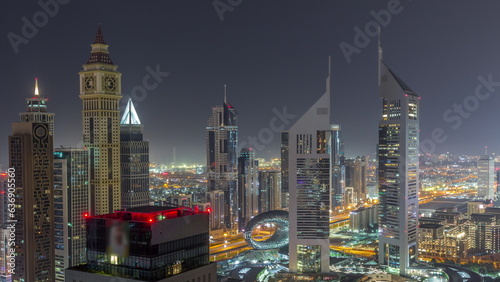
(398, 171)
(71, 203)
(222, 159)
(134, 160)
(309, 145)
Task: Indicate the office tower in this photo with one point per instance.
(248, 187)
(309, 187)
(269, 191)
(134, 160)
(285, 194)
(31, 156)
(338, 169)
(486, 178)
(100, 88)
(150, 243)
(222, 158)
(217, 204)
(397, 171)
(360, 174)
(71, 203)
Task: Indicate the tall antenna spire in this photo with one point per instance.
(225, 94)
(485, 150)
(37, 93)
(380, 54)
(328, 79)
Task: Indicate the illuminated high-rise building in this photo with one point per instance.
(31, 156)
(486, 178)
(269, 191)
(222, 158)
(309, 188)
(71, 203)
(285, 193)
(100, 91)
(338, 169)
(360, 174)
(397, 171)
(134, 160)
(248, 187)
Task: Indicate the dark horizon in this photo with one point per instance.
(271, 56)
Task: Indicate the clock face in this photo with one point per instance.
(89, 83)
(110, 83)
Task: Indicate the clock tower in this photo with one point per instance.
(100, 91)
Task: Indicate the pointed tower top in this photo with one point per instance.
(225, 94)
(37, 93)
(130, 116)
(99, 38)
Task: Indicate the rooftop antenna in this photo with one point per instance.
(379, 36)
(485, 150)
(225, 94)
(36, 87)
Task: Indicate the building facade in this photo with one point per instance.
(309, 188)
(248, 187)
(269, 191)
(398, 171)
(486, 178)
(31, 158)
(338, 169)
(285, 193)
(222, 158)
(71, 203)
(134, 160)
(151, 243)
(100, 91)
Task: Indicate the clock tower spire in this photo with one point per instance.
(100, 91)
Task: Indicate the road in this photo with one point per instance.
(459, 274)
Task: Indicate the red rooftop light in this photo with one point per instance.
(150, 220)
(86, 214)
(209, 209)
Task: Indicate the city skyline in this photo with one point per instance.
(252, 75)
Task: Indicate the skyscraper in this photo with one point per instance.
(71, 204)
(397, 171)
(100, 91)
(31, 156)
(486, 178)
(338, 169)
(134, 160)
(269, 191)
(222, 158)
(360, 174)
(285, 189)
(248, 187)
(309, 187)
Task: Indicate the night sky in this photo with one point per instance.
(271, 54)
